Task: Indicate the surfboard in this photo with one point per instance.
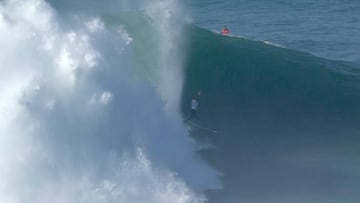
(195, 125)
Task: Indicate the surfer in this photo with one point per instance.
(225, 31)
(194, 107)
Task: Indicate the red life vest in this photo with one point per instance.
(225, 32)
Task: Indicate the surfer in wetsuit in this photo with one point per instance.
(194, 106)
(225, 31)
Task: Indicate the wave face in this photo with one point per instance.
(288, 121)
(78, 123)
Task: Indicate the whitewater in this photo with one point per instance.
(94, 94)
(78, 123)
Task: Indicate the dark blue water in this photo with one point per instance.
(329, 29)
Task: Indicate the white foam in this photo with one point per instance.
(164, 15)
(273, 44)
(56, 148)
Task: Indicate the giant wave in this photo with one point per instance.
(289, 120)
(78, 123)
(92, 103)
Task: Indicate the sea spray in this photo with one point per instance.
(76, 125)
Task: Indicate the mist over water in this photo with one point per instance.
(77, 124)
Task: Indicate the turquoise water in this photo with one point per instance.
(328, 29)
(288, 120)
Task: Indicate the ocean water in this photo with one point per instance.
(328, 29)
(93, 97)
(286, 121)
(283, 93)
